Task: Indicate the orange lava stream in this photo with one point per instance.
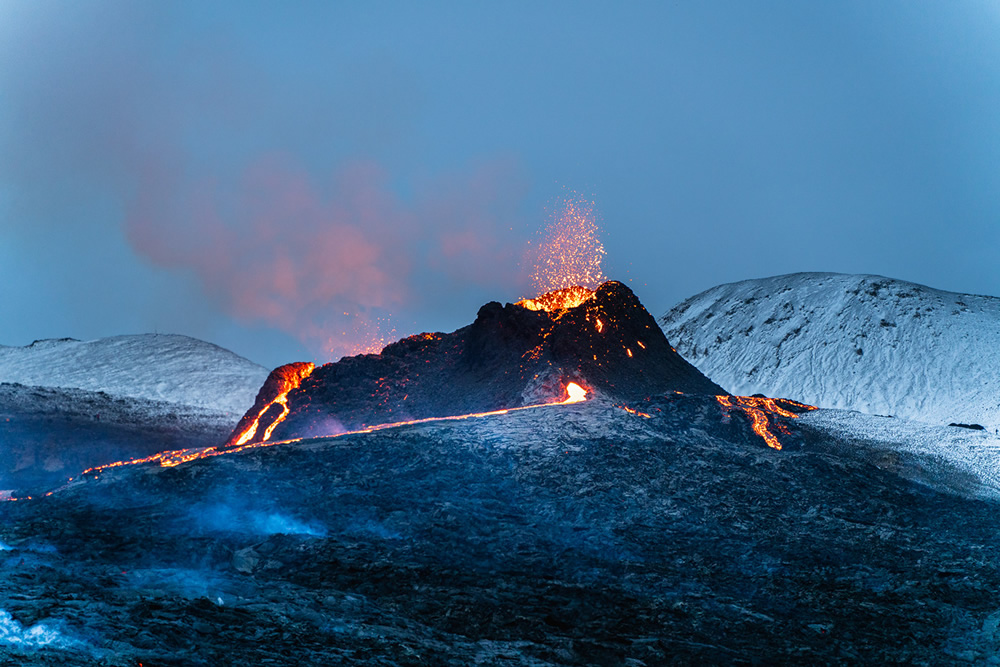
(281, 399)
(283, 402)
(575, 393)
(758, 409)
(637, 413)
(252, 430)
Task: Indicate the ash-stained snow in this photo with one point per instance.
(856, 342)
(156, 367)
(949, 458)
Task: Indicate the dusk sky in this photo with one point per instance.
(247, 173)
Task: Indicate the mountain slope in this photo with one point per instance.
(860, 342)
(156, 367)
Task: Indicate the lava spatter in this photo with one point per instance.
(571, 252)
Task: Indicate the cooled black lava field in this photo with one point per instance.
(567, 535)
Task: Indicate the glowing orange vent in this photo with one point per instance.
(557, 300)
(575, 393)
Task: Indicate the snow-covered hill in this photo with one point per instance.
(860, 342)
(158, 367)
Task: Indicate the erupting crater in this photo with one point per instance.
(558, 300)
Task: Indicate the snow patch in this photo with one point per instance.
(974, 453)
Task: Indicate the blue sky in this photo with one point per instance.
(247, 172)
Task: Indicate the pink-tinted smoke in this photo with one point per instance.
(329, 263)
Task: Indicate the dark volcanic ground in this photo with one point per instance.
(49, 434)
(566, 535)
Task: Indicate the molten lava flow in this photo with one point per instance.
(283, 402)
(758, 409)
(281, 381)
(575, 393)
(637, 413)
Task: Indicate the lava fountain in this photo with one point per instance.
(570, 252)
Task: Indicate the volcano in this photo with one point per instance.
(638, 526)
(511, 356)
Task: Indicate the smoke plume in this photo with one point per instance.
(291, 198)
(330, 264)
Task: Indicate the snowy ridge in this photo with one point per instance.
(856, 342)
(157, 367)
